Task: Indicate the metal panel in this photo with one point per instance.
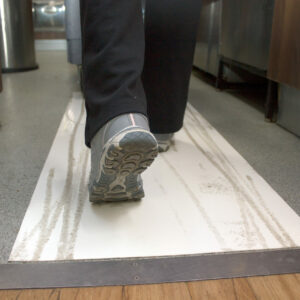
(16, 35)
(246, 31)
(49, 15)
(207, 46)
(289, 108)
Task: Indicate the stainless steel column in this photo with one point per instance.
(289, 108)
(16, 36)
(73, 31)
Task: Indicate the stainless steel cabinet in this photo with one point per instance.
(246, 31)
(207, 46)
(207, 50)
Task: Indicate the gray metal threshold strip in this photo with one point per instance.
(148, 270)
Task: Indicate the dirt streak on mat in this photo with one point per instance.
(201, 209)
(232, 179)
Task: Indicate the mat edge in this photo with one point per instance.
(148, 270)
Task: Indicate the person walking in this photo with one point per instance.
(135, 78)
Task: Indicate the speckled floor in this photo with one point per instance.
(31, 107)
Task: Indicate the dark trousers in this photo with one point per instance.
(131, 67)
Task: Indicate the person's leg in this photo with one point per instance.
(170, 33)
(112, 60)
(117, 130)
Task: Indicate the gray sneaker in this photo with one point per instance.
(164, 141)
(120, 151)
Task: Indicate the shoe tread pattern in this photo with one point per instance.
(121, 164)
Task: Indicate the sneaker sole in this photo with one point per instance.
(123, 159)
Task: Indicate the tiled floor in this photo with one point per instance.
(201, 197)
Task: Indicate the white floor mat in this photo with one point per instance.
(201, 197)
